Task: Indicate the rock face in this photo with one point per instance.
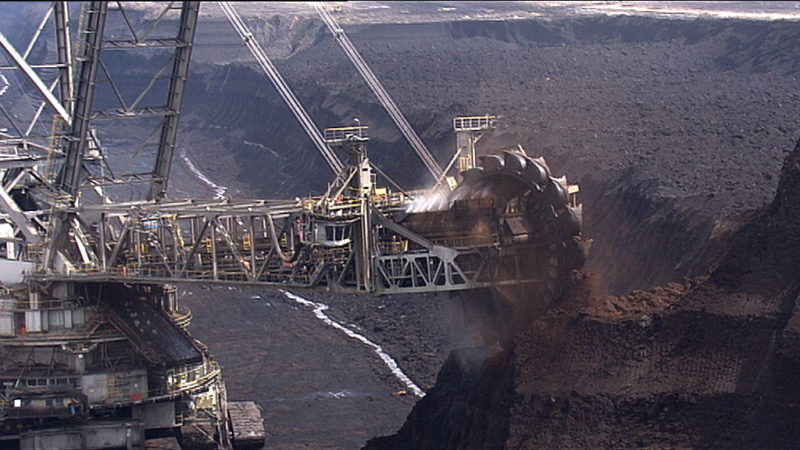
(672, 127)
(468, 408)
(669, 126)
(712, 362)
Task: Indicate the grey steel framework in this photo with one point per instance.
(271, 243)
(170, 77)
(97, 364)
(24, 147)
(57, 15)
(307, 243)
(348, 240)
(70, 176)
(177, 86)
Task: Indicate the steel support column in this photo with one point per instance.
(70, 176)
(64, 54)
(177, 87)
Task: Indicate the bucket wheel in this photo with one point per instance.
(539, 227)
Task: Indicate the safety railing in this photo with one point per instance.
(160, 273)
(189, 379)
(473, 123)
(340, 134)
(182, 317)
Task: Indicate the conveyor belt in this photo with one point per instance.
(150, 330)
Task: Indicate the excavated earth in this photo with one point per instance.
(676, 131)
(711, 362)
(671, 126)
(675, 128)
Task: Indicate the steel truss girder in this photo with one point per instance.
(34, 78)
(223, 242)
(69, 178)
(64, 49)
(74, 174)
(169, 112)
(197, 244)
(123, 113)
(428, 271)
(117, 44)
(124, 179)
(61, 108)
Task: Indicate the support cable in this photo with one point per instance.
(379, 91)
(283, 89)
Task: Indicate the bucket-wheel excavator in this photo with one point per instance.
(93, 343)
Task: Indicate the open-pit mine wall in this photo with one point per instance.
(674, 128)
(710, 363)
(669, 124)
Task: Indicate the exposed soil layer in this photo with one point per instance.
(675, 130)
(671, 126)
(712, 362)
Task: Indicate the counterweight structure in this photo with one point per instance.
(93, 342)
